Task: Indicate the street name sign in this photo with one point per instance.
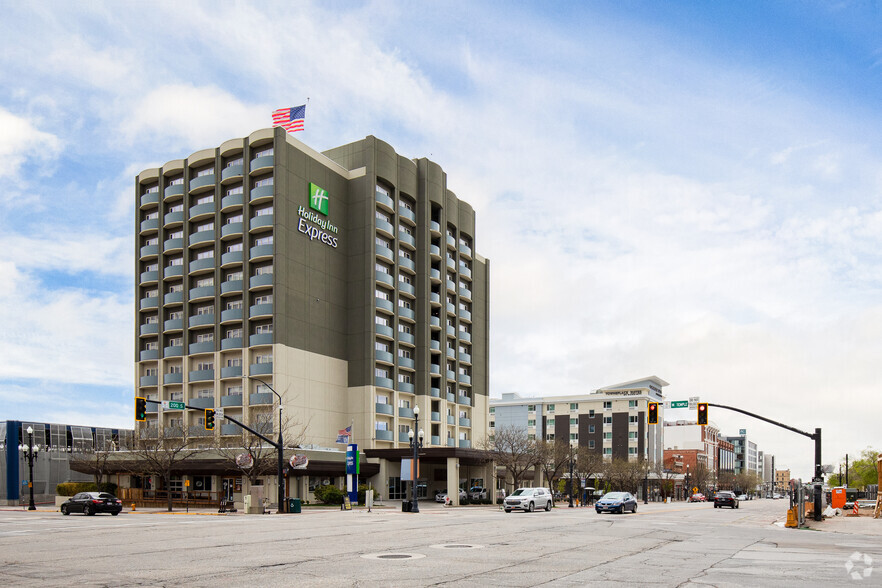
(173, 405)
(693, 402)
(679, 404)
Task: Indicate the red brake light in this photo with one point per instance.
(96, 501)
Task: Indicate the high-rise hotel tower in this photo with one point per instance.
(347, 280)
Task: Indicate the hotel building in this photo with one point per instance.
(346, 280)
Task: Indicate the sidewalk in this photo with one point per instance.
(862, 525)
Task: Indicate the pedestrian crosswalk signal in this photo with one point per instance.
(140, 409)
(702, 413)
(653, 413)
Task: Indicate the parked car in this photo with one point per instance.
(90, 503)
(698, 497)
(477, 493)
(725, 498)
(442, 496)
(616, 502)
(742, 497)
(528, 499)
(776, 496)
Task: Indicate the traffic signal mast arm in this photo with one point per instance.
(762, 418)
(247, 428)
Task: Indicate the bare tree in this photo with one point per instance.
(512, 449)
(552, 458)
(91, 461)
(160, 450)
(665, 478)
(590, 463)
(262, 457)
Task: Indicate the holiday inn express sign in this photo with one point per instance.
(312, 224)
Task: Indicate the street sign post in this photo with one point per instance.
(679, 404)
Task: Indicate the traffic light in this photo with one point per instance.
(209, 419)
(140, 409)
(702, 413)
(653, 413)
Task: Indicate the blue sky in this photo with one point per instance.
(688, 190)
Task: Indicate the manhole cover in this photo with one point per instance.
(457, 546)
(388, 556)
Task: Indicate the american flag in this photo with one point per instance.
(343, 435)
(290, 119)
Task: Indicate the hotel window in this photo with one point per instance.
(204, 393)
(383, 320)
(205, 337)
(233, 276)
(234, 161)
(176, 181)
(154, 293)
(264, 211)
(175, 261)
(383, 268)
(406, 254)
(607, 420)
(382, 425)
(263, 299)
(632, 420)
(261, 152)
(233, 218)
(234, 362)
(574, 406)
(176, 315)
(405, 328)
(263, 329)
(383, 190)
(151, 216)
(464, 414)
(549, 436)
(151, 345)
(383, 346)
(151, 320)
(381, 372)
(405, 278)
(549, 408)
(382, 399)
(205, 254)
(261, 270)
(405, 229)
(233, 190)
(531, 437)
(574, 421)
(531, 422)
(205, 171)
(176, 235)
(204, 309)
(151, 241)
(175, 369)
(175, 341)
(403, 403)
(405, 303)
(405, 352)
(234, 390)
(632, 435)
(591, 444)
(607, 435)
(152, 267)
(591, 412)
(234, 333)
(383, 216)
(176, 208)
(207, 199)
(407, 203)
(632, 451)
(263, 181)
(451, 231)
(383, 242)
(205, 365)
(265, 358)
(234, 247)
(205, 282)
(550, 424)
(383, 294)
(492, 410)
(574, 436)
(234, 304)
(607, 450)
(531, 408)
(607, 405)
(176, 395)
(405, 429)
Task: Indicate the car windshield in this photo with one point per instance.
(523, 492)
(615, 496)
(724, 494)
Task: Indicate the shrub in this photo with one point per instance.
(329, 494)
(71, 488)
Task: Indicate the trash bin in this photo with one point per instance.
(406, 506)
(294, 505)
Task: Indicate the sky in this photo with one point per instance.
(680, 189)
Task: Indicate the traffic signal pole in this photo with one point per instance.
(818, 480)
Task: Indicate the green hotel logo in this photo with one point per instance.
(318, 199)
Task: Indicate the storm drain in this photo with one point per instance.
(388, 556)
(457, 546)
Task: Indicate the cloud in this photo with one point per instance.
(21, 141)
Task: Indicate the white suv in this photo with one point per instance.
(528, 499)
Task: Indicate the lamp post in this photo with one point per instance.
(416, 443)
(571, 478)
(687, 483)
(29, 452)
(279, 447)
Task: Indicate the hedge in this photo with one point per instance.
(71, 488)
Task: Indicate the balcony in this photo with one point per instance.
(260, 398)
(385, 228)
(150, 302)
(201, 266)
(260, 369)
(451, 420)
(260, 281)
(230, 315)
(384, 304)
(385, 201)
(451, 265)
(383, 435)
(405, 337)
(172, 245)
(232, 172)
(450, 442)
(202, 403)
(384, 408)
(231, 428)
(201, 292)
(172, 271)
(231, 343)
(173, 190)
(406, 313)
(383, 382)
(451, 242)
(464, 400)
(173, 218)
(435, 251)
(173, 351)
(201, 375)
(463, 293)
(260, 339)
(465, 272)
(231, 287)
(435, 275)
(231, 400)
(407, 264)
(201, 237)
(198, 320)
(403, 437)
(435, 227)
(451, 286)
(261, 163)
(261, 194)
(199, 431)
(149, 251)
(435, 416)
(385, 331)
(149, 225)
(465, 357)
(232, 229)
(450, 330)
(465, 250)
(451, 308)
(405, 212)
(406, 362)
(435, 392)
(201, 211)
(464, 379)
(173, 378)
(260, 310)
(261, 222)
(385, 253)
(384, 278)
(148, 329)
(202, 182)
(148, 380)
(203, 347)
(231, 258)
(232, 201)
(406, 288)
(435, 369)
(451, 353)
(465, 336)
(435, 346)
(405, 413)
(406, 239)
(436, 440)
(464, 422)
(464, 443)
(260, 252)
(384, 357)
(405, 387)
(465, 315)
(435, 299)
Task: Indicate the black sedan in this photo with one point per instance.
(90, 503)
(722, 499)
(616, 502)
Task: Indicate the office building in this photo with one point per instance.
(746, 453)
(347, 282)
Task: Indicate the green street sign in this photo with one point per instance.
(173, 405)
(679, 404)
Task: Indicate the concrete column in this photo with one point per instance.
(453, 480)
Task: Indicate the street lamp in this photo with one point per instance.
(686, 489)
(416, 444)
(571, 478)
(280, 449)
(29, 452)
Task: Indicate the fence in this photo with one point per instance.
(159, 498)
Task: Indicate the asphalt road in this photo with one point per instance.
(661, 545)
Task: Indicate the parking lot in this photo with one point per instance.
(663, 544)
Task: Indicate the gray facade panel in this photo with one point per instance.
(511, 416)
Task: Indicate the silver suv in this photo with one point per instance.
(528, 499)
